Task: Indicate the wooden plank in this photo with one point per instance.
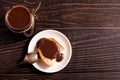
(93, 50)
(66, 14)
(57, 76)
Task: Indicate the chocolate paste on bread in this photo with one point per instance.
(49, 49)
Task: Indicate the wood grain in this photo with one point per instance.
(81, 76)
(92, 26)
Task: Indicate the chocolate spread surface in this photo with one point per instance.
(19, 18)
(49, 49)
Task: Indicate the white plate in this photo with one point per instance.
(62, 39)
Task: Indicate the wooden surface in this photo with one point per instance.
(92, 26)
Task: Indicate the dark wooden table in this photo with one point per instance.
(92, 26)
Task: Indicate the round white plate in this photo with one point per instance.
(62, 39)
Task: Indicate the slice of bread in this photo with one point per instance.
(46, 60)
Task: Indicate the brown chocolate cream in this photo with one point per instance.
(19, 18)
(49, 49)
